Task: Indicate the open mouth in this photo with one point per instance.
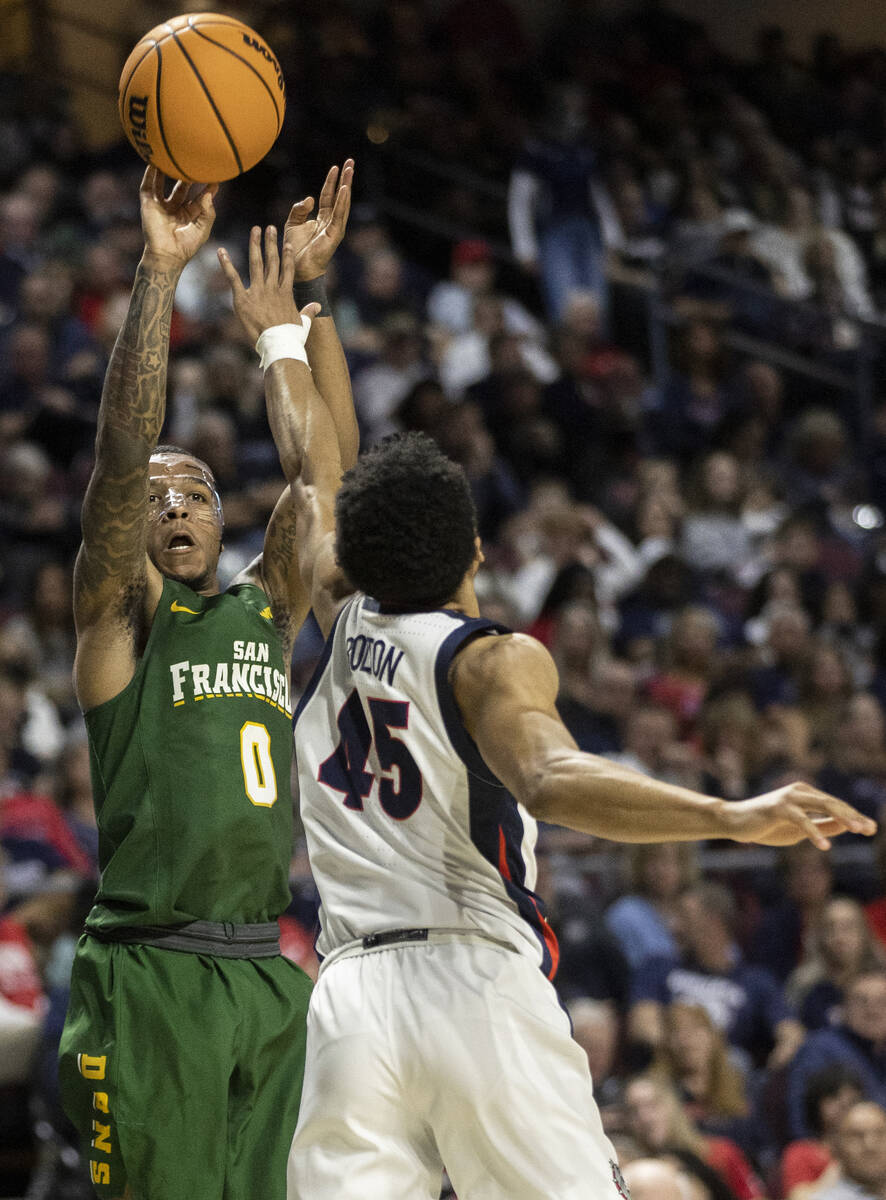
(180, 543)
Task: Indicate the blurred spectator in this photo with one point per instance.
(467, 357)
(688, 667)
(472, 274)
(554, 203)
(744, 1001)
(652, 746)
(596, 1028)
(858, 1043)
(661, 1125)
(654, 1179)
(644, 919)
(695, 398)
(695, 1059)
(380, 387)
(785, 929)
(841, 946)
(809, 1161)
(714, 536)
(46, 629)
(860, 1150)
(818, 467)
(875, 910)
(856, 755)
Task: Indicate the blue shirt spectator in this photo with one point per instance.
(744, 1001)
(859, 1044)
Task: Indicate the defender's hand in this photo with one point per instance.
(268, 300)
(174, 227)
(314, 241)
(792, 813)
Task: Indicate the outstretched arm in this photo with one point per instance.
(116, 588)
(506, 689)
(314, 241)
(299, 543)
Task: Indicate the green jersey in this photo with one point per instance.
(191, 769)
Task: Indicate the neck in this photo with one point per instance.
(465, 599)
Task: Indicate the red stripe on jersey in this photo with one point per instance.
(550, 939)
(503, 869)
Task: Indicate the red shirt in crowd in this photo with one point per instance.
(803, 1161)
(729, 1161)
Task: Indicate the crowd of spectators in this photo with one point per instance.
(703, 550)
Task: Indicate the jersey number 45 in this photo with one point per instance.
(400, 786)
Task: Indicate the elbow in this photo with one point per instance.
(539, 793)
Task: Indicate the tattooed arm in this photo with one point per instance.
(116, 587)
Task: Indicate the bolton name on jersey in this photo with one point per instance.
(406, 825)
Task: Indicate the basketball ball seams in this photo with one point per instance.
(209, 114)
(125, 88)
(212, 103)
(196, 29)
(181, 173)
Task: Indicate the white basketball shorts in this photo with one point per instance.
(454, 1051)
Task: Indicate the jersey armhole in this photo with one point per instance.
(462, 742)
(314, 681)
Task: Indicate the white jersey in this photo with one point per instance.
(407, 828)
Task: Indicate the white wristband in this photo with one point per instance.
(284, 341)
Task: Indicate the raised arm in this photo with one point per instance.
(506, 689)
(116, 588)
(314, 241)
(297, 567)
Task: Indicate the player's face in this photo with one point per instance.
(184, 520)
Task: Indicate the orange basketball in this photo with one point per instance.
(202, 97)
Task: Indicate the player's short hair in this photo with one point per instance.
(405, 523)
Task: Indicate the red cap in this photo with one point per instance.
(466, 253)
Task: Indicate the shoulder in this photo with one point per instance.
(494, 659)
(826, 1044)
(629, 908)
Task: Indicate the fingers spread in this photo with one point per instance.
(272, 255)
(796, 816)
(230, 271)
(327, 195)
(341, 210)
(256, 266)
(287, 268)
(817, 801)
(177, 198)
(300, 212)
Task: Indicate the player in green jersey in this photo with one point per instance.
(182, 1054)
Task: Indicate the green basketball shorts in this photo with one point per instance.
(183, 1072)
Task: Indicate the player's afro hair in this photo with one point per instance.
(405, 523)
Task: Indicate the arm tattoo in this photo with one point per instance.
(129, 423)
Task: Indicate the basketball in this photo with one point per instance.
(202, 97)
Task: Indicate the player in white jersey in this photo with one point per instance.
(428, 743)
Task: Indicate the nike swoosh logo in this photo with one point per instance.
(176, 607)
(266, 613)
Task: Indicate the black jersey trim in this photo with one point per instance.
(314, 682)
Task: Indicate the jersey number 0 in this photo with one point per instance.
(345, 769)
